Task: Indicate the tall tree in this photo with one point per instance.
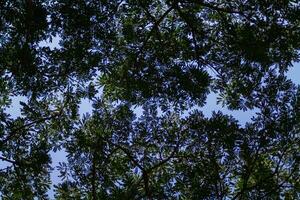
(161, 57)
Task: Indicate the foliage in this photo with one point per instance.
(147, 67)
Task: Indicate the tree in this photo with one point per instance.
(163, 57)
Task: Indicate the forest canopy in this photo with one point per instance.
(163, 57)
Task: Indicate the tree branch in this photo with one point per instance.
(8, 160)
(165, 160)
(26, 126)
(155, 27)
(131, 158)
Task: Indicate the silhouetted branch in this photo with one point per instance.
(8, 160)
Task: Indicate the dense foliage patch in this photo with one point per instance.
(147, 66)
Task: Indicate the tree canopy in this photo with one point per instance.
(162, 57)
